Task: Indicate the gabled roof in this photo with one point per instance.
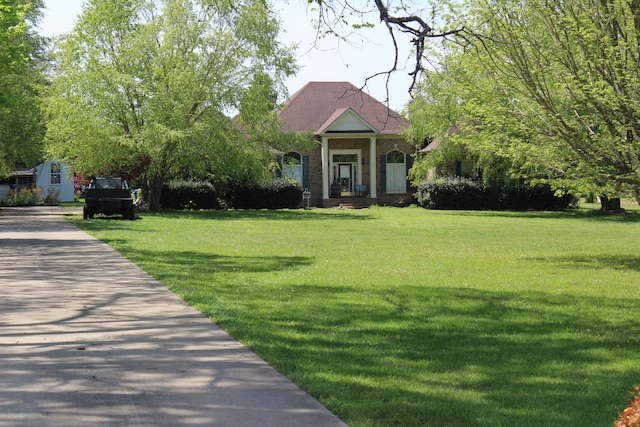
(312, 108)
(346, 120)
(432, 146)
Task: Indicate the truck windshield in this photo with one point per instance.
(109, 183)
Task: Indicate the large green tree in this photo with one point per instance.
(576, 63)
(565, 79)
(21, 74)
(142, 87)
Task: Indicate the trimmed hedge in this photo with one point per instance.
(452, 193)
(280, 193)
(463, 193)
(189, 195)
(538, 198)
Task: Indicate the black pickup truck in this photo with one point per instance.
(109, 196)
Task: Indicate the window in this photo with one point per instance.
(465, 168)
(396, 172)
(292, 166)
(55, 173)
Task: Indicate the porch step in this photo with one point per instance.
(353, 206)
(356, 204)
(349, 202)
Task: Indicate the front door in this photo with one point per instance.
(345, 177)
(345, 172)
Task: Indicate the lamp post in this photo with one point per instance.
(306, 195)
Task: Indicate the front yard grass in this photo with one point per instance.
(411, 317)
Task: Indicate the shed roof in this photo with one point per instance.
(311, 107)
(23, 173)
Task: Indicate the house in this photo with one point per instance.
(463, 166)
(360, 157)
(53, 179)
(19, 178)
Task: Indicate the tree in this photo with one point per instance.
(458, 106)
(22, 71)
(420, 21)
(572, 72)
(142, 87)
(557, 91)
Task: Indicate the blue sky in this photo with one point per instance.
(332, 61)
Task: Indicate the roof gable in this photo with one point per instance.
(319, 105)
(346, 120)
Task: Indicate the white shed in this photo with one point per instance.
(55, 179)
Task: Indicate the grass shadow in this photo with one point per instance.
(271, 215)
(613, 262)
(208, 264)
(468, 356)
(630, 216)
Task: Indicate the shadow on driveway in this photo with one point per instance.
(90, 339)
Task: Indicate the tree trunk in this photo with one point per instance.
(153, 193)
(610, 205)
(494, 194)
(636, 194)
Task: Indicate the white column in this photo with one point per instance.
(325, 167)
(373, 166)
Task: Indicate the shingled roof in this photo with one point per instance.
(309, 108)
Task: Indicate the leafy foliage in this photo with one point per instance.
(276, 194)
(549, 85)
(22, 71)
(468, 194)
(452, 193)
(144, 86)
(190, 195)
(537, 198)
(630, 417)
(24, 197)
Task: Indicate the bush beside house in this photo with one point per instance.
(280, 193)
(537, 198)
(468, 194)
(24, 197)
(452, 193)
(189, 195)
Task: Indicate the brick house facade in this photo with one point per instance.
(359, 157)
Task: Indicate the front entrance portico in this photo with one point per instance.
(346, 168)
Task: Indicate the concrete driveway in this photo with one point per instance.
(89, 339)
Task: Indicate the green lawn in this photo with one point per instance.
(411, 317)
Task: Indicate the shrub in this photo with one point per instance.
(452, 193)
(52, 196)
(630, 417)
(25, 197)
(463, 193)
(189, 195)
(537, 198)
(280, 193)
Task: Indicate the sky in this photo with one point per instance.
(327, 60)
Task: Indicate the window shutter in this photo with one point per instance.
(279, 171)
(408, 159)
(458, 168)
(383, 173)
(305, 172)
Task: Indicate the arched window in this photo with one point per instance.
(292, 166)
(396, 172)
